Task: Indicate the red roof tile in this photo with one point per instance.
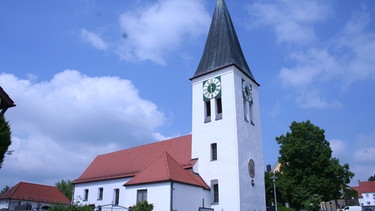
(365, 187)
(35, 192)
(165, 168)
(128, 162)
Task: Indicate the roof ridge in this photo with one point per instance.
(148, 144)
(165, 154)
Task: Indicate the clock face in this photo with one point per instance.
(251, 167)
(211, 87)
(247, 91)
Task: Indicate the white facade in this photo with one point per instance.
(92, 190)
(163, 195)
(367, 199)
(237, 139)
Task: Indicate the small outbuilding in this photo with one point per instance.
(27, 196)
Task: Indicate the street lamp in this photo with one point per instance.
(274, 190)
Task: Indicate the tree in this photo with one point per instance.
(66, 187)
(5, 189)
(5, 139)
(308, 171)
(372, 178)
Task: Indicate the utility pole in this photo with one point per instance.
(274, 190)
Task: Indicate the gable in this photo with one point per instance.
(165, 168)
(128, 162)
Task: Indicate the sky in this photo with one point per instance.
(90, 77)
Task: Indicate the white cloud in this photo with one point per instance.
(60, 125)
(365, 154)
(357, 45)
(334, 63)
(365, 149)
(311, 66)
(94, 39)
(291, 20)
(338, 147)
(362, 159)
(314, 99)
(154, 30)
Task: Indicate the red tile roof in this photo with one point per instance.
(166, 168)
(129, 162)
(365, 187)
(35, 192)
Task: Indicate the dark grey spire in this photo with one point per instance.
(222, 46)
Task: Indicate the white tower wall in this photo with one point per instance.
(237, 141)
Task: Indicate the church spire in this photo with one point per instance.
(222, 46)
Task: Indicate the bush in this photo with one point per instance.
(73, 207)
(285, 209)
(142, 206)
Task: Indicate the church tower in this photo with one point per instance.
(226, 130)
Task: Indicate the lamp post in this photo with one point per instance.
(274, 190)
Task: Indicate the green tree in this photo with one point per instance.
(66, 187)
(142, 206)
(372, 178)
(308, 171)
(5, 140)
(5, 189)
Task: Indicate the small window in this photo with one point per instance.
(207, 111)
(219, 108)
(100, 194)
(213, 151)
(141, 195)
(86, 195)
(116, 196)
(215, 191)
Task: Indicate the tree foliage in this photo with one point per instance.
(372, 178)
(66, 187)
(5, 189)
(142, 206)
(5, 138)
(308, 171)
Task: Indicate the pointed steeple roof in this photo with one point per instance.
(222, 46)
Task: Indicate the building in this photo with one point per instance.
(27, 196)
(366, 193)
(217, 167)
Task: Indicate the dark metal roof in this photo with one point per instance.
(222, 46)
(5, 101)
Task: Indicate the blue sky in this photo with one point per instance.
(90, 77)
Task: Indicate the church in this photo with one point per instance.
(218, 167)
